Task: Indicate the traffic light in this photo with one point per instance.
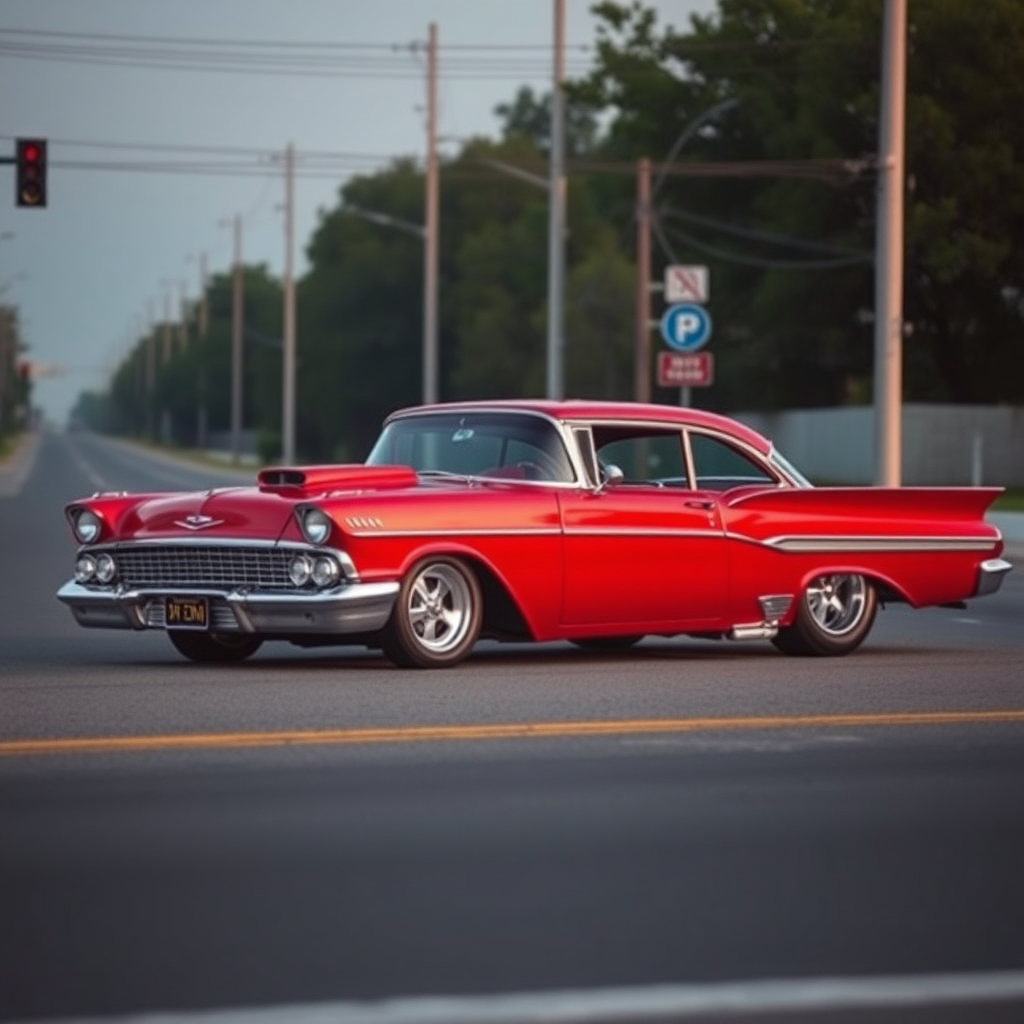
(31, 172)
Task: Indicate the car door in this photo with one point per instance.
(647, 553)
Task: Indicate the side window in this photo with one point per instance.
(647, 459)
(719, 466)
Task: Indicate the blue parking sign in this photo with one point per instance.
(686, 327)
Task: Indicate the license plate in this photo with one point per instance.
(187, 612)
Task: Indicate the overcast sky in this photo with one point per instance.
(113, 247)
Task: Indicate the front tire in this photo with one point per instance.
(214, 648)
(437, 615)
(835, 614)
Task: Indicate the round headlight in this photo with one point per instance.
(106, 570)
(300, 570)
(87, 526)
(85, 569)
(325, 571)
(316, 526)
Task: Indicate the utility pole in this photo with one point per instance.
(151, 370)
(182, 316)
(556, 214)
(889, 247)
(642, 350)
(237, 327)
(431, 232)
(204, 321)
(288, 353)
(166, 326)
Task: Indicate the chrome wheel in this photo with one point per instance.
(834, 615)
(437, 616)
(837, 602)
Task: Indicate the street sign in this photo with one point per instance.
(685, 370)
(686, 327)
(686, 284)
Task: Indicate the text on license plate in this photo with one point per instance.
(187, 612)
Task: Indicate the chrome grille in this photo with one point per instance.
(225, 567)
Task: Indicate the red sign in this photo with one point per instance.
(685, 369)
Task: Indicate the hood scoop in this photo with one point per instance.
(350, 477)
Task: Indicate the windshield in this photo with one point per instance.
(508, 445)
(784, 466)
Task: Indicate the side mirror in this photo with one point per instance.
(611, 476)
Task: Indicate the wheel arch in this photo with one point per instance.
(887, 589)
(504, 616)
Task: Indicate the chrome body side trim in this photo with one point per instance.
(887, 543)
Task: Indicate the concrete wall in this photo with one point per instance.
(941, 444)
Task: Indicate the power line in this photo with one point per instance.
(768, 237)
(545, 48)
(265, 57)
(163, 147)
(751, 261)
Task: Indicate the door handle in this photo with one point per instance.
(706, 506)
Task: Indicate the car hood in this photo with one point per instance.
(262, 512)
(240, 512)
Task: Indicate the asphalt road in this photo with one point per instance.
(687, 831)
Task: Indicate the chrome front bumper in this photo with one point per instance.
(355, 608)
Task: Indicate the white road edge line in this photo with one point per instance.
(649, 1004)
(95, 478)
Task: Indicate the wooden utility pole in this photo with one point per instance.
(288, 350)
(889, 247)
(557, 215)
(431, 228)
(642, 366)
(237, 329)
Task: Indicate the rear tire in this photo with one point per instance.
(437, 615)
(214, 648)
(834, 616)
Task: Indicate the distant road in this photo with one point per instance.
(541, 834)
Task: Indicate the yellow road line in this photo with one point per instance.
(514, 730)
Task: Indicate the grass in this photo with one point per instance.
(1011, 501)
(8, 443)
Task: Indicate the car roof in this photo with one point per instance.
(591, 410)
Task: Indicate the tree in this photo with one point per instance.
(361, 314)
(528, 117)
(804, 77)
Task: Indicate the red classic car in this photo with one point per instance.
(594, 522)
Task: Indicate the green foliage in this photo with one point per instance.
(805, 78)
(790, 246)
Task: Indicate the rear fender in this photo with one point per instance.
(870, 518)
